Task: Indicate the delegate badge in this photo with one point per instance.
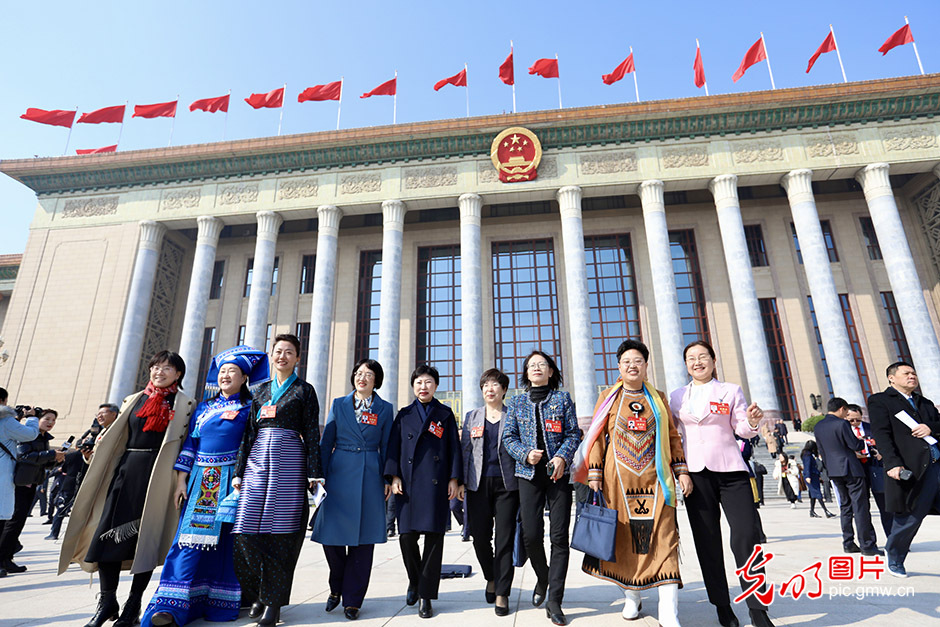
(437, 429)
(721, 408)
(476, 432)
(554, 426)
(229, 415)
(636, 424)
(368, 418)
(268, 411)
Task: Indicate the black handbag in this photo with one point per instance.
(595, 529)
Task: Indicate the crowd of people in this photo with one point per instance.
(219, 492)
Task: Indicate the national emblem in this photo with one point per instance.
(516, 153)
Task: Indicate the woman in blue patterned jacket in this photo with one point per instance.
(542, 434)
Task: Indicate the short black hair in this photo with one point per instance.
(703, 344)
(835, 404)
(890, 370)
(111, 407)
(372, 365)
(287, 337)
(174, 360)
(49, 411)
(810, 447)
(497, 375)
(4, 396)
(554, 381)
(855, 408)
(429, 370)
(636, 345)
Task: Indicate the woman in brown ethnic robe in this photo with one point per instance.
(633, 462)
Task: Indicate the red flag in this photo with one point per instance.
(388, 88)
(94, 151)
(506, 73)
(755, 54)
(457, 80)
(899, 38)
(619, 72)
(211, 105)
(546, 68)
(107, 115)
(698, 68)
(272, 100)
(330, 91)
(828, 45)
(159, 110)
(55, 117)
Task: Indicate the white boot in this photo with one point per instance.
(632, 604)
(669, 605)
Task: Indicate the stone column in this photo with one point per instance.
(321, 311)
(581, 369)
(664, 285)
(471, 301)
(393, 213)
(822, 287)
(194, 321)
(259, 300)
(753, 342)
(902, 273)
(127, 362)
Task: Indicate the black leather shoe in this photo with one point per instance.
(424, 609)
(108, 609)
(538, 596)
(557, 618)
(871, 552)
(130, 613)
(332, 602)
(490, 594)
(270, 616)
(412, 596)
(256, 609)
(851, 548)
(3, 572)
(726, 617)
(814, 515)
(830, 515)
(352, 613)
(163, 619)
(12, 567)
(759, 618)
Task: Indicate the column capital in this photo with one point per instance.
(874, 180)
(209, 230)
(651, 195)
(471, 208)
(798, 185)
(268, 224)
(569, 201)
(393, 214)
(328, 217)
(724, 188)
(151, 234)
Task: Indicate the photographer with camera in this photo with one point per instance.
(12, 432)
(33, 458)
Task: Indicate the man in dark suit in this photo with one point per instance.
(871, 462)
(839, 447)
(911, 458)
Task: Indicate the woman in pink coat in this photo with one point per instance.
(709, 413)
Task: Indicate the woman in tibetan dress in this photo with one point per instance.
(198, 579)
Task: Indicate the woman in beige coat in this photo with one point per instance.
(124, 517)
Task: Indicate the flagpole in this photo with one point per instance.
(466, 78)
(339, 108)
(838, 54)
(635, 87)
(281, 117)
(69, 137)
(225, 124)
(395, 101)
(173, 123)
(559, 80)
(123, 117)
(767, 58)
(916, 54)
(697, 47)
(513, 76)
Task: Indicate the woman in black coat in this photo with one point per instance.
(424, 468)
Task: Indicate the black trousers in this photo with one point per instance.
(854, 503)
(713, 492)
(492, 503)
(887, 518)
(10, 536)
(390, 515)
(424, 571)
(533, 496)
(350, 570)
(109, 574)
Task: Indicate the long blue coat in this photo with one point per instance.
(425, 463)
(353, 457)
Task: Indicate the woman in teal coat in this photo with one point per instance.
(351, 520)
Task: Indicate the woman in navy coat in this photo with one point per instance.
(424, 468)
(351, 520)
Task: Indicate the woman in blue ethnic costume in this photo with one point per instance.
(198, 579)
(278, 460)
(351, 520)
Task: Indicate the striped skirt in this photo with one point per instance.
(274, 489)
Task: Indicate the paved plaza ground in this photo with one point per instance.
(796, 541)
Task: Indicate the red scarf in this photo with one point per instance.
(157, 408)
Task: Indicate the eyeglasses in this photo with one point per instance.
(365, 375)
(162, 368)
(540, 365)
(632, 362)
(699, 359)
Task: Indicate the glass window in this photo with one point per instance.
(689, 290)
(612, 296)
(901, 349)
(205, 356)
(303, 334)
(249, 275)
(856, 344)
(241, 335)
(754, 236)
(779, 364)
(307, 265)
(274, 276)
(367, 307)
(267, 340)
(827, 237)
(439, 331)
(525, 302)
(871, 239)
(822, 351)
(218, 276)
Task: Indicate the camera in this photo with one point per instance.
(23, 410)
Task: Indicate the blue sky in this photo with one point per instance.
(62, 55)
